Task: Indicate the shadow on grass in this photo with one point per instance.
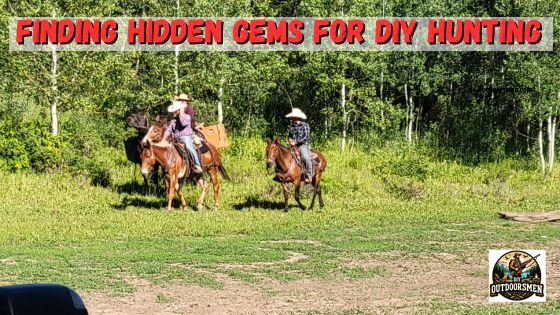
(133, 188)
(259, 203)
(137, 201)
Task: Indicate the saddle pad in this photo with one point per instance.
(204, 148)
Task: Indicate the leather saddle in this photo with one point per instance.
(201, 148)
(296, 153)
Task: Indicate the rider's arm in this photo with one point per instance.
(291, 140)
(185, 120)
(169, 130)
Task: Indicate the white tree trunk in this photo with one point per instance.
(176, 70)
(411, 120)
(381, 94)
(176, 65)
(220, 94)
(528, 150)
(541, 149)
(407, 109)
(551, 129)
(54, 91)
(344, 116)
(409, 114)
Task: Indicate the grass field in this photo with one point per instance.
(400, 232)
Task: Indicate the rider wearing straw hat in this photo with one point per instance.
(184, 98)
(300, 136)
(181, 127)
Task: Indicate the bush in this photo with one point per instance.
(407, 163)
(45, 150)
(413, 166)
(13, 154)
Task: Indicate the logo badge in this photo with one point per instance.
(517, 275)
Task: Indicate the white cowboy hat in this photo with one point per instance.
(296, 113)
(175, 106)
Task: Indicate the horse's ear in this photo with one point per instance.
(157, 118)
(276, 140)
(268, 140)
(148, 144)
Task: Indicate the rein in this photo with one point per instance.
(284, 175)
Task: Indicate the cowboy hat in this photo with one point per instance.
(296, 113)
(175, 106)
(182, 97)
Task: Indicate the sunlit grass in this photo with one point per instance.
(59, 228)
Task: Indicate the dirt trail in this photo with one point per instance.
(411, 284)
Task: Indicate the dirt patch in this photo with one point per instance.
(308, 242)
(412, 284)
(8, 261)
(293, 257)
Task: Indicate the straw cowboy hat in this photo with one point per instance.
(175, 106)
(182, 97)
(296, 113)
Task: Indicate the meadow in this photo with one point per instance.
(414, 228)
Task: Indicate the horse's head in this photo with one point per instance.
(155, 132)
(272, 148)
(148, 159)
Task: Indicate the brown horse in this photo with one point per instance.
(287, 170)
(177, 169)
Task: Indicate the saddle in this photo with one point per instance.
(296, 154)
(200, 146)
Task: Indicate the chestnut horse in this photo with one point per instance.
(289, 171)
(177, 170)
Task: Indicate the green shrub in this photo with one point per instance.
(45, 150)
(413, 166)
(13, 154)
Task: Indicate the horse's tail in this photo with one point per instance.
(223, 171)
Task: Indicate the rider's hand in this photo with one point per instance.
(291, 142)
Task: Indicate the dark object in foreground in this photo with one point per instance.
(40, 299)
(532, 217)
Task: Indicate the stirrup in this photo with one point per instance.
(197, 169)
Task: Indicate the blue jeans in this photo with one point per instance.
(306, 155)
(187, 140)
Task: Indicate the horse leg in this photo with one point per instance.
(313, 198)
(146, 184)
(171, 192)
(298, 186)
(155, 177)
(286, 195)
(216, 185)
(317, 191)
(203, 186)
(182, 196)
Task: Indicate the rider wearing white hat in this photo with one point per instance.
(300, 136)
(181, 127)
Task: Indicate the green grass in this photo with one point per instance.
(59, 228)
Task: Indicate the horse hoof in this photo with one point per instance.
(215, 208)
(286, 210)
(199, 207)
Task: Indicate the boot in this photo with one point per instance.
(197, 169)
